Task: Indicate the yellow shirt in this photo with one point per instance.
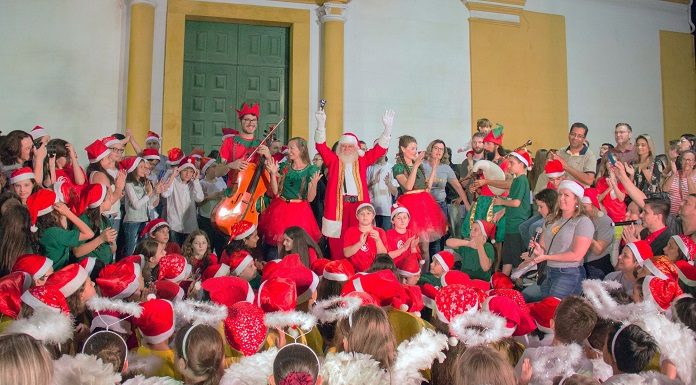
(167, 368)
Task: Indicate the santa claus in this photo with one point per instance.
(347, 181)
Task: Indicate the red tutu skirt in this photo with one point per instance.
(427, 218)
(282, 214)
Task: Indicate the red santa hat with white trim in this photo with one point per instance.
(397, 209)
(46, 297)
(216, 270)
(205, 164)
(661, 291)
(151, 154)
(445, 258)
(69, 279)
(524, 157)
(174, 267)
(554, 169)
(455, 300)
(38, 132)
(687, 245)
(519, 321)
(156, 323)
(169, 290)
(174, 156)
(241, 230)
(500, 280)
(277, 294)
(661, 267)
(228, 290)
(22, 173)
(97, 151)
(306, 281)
(11, 288)
(340, 270)
(687, 272)
(111, 141)
(188, 162)
(351, 138)
(641, 251)
(238, 261)
(139, 259)
(119, 280)
(382, 285)
(88, 264)
(152, 137)
(318, 265)
(39, 204)
(408, 266)
(92, 196)
(487, 228)
(130, 163)
(245, 328)
(35, 265)
(543, 312)
(152, 226)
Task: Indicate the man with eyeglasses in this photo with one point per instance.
(625, 150)
(236, 148)
(579, 162)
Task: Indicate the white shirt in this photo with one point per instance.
(211, 187)
(181, 205)
(349, 180)
(380, 197)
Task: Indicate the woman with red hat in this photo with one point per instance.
(95, 202)
(102, 169)
(293, 185)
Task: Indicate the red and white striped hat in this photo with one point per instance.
(174, 267)
(46, 297)
(68, 279)
(152, 136)
(97, 151)
(22, 173)
(33, 264)
(119, 280)
(38, 132)
(151, 154)
(156, 323)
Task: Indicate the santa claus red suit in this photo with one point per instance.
(347, 181)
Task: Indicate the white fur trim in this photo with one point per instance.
(494, 328)
(223, 271)
(98, 203)
(206, 167)
(351, 369)
(159, 337)
(596, 292)
(132, 286)
(417, 354)
(91, 261)
(83, 369)
(555, 174)
(242, 265)
(282, 319)
(21, 177)
(183, 274)
(45, 325)
(407, 273)
(76, 283)
(348, 139)
(252, 370)
(331, 228)
(100, 304)
(156, 227)
(681, 246)
(43, 269)
(35, 303)
(200, 312)
(335, 308)
(47, 210)
(101, 156)
(358, 285)
(636, 254)
(441, 261)
(338, 277)
(142, 380)
(684, 279)
(654, 270)
(303, 297)
(520, 158)
(572, 186)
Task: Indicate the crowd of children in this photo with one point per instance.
(121, 273)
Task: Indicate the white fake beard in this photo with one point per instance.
(345, 158)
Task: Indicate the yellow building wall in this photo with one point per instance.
(678, 72)
(519, 78)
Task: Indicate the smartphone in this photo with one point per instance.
(612, 158)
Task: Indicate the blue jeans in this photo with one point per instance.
(528, 228)
(131, 231)
(560, 282)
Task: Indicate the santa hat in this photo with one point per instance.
(11, 288)
(245, 329)
(111, 141)
(168, 290)
(174, 267)
(97, 151)
(687, 272)
(156, 323)
(455, 300)
(40, 203)
(153, 226)
(543, 312)
(197, 313)
(515, 295)
(487, 228)
(351, 138)
(174, 156)
(88, 264)
(150, 154)
(197, 153)
(277, 294)
(46, 297)
(130, 163)
(22, 173)
(412, 299)
(661, 291)
(338, 271)
(591, 196)
(687, 245)
(662, 267)
(641, 251)
(445, 258)
(38, 132)
(119, 280)
(572, 186)
(188, 162)
(68, 279)
(136, 258)
(397, 209)
(45, 325)
(214, 271)
(93, 196)
(519, 322)
(228, 133)
(35, 265)
(206, 163)
(408, 267)
(241, 230)
(364, 205)
(152, 136)
(248, 110)
(479, 328)
(239, 260)
(495, 135)
(554, 169)
(500, 280)
(228, 290)
(523, 156)
(318, 265)
(382, 285)
(454, 277)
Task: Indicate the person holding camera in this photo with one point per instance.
(19, 149)
(682, 180)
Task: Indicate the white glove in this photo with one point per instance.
(388, 121)
(320, 133)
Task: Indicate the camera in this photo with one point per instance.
(37, 143)
(51, 150)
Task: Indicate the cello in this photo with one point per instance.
(242, 204)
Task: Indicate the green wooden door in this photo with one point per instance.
(226, 65)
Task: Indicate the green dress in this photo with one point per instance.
(103, 251)
(295, 182)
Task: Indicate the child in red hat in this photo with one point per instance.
(156, 325)
(478, 255)
(442, 262)
(141, 197)
(96, 201)
(182, 196)
(197, 251)
(401, 241)
(363, 242)
(103, 169)
(23, 183)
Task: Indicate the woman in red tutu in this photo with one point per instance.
(427, 218)
(293, 186)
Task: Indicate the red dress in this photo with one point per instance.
(363, 258)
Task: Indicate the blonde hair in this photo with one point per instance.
(557, 213)
(24, 361)
(368, 331)
(483, 365)
(445, 155)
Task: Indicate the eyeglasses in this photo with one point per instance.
(574, 135)
(250, 120)
(117, 150)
